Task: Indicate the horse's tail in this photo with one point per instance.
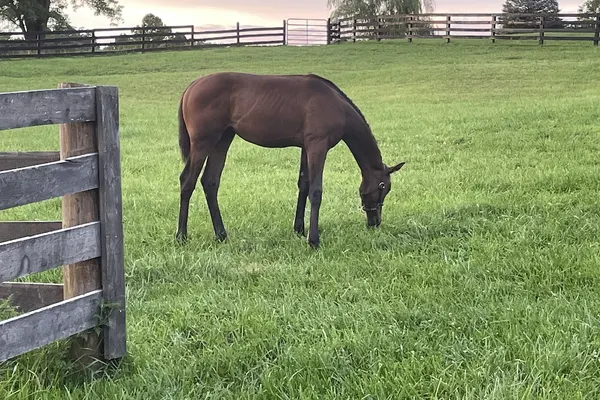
(184, 137)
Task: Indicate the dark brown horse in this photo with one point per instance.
(275, 111)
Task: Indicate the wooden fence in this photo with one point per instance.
(541, 27)
(134, 39)
(88, 241)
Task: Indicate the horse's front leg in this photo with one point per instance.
(316, 163)
(303, 187)
(211, 179)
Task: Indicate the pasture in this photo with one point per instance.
(482, 281)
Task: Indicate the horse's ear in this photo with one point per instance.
(395, 168)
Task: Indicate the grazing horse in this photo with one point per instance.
(275, 111)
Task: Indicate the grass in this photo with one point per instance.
(482, 281)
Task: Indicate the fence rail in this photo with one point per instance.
(88, 242)
(133, 39)
(295, 31)
(541, 27)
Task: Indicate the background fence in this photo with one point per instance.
(296, 31)
(88, 241)
(136, 39)
(541, 27)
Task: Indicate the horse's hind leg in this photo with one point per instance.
(187, 179)
(211, 179)
(302, 194)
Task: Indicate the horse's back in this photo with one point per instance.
(268, 110)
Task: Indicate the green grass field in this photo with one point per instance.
(482, 281)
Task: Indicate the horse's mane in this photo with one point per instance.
(341, 93)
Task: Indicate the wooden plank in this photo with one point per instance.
(11, 230)
(81, 208)
(25, 256)
(20, 159)
(46, 181)
(26, 296)
(43, 326)
(44, 107)
(567, 38)
(111, 218)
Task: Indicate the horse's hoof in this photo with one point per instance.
(313, 243)
(299, 230)
(221, 237)
(181, 238)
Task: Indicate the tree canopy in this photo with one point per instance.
(589, 7)
(529, 7)
(33, 16)
(349, 8)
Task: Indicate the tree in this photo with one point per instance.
(589, 7)
(33, 16)
(366, 12)
(529, 7)
(349, 8)
(153, 28)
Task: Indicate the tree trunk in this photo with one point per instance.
(35, 19)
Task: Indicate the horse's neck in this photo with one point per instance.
(364, 148)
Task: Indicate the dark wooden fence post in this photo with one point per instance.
(284, 32)
(493, 29)
(77, 139)
(192, 31)
(597, 30)
(38, 44)
(110, 209)
(143, 39)
(93, 41)
(410, 32)
(354, 31)
(237, 29)
(448, 25)
(328, 30)
(541, 22)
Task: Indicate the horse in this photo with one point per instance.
(275, 111)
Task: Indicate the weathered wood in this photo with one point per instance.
(81, 208)
(43, 326)
(11, 230)
(597, 30)
(44, 107)
(20, 159)
(46, 181)
(22, 257)
(111, 218)
(26, 296)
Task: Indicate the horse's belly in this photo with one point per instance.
(270, 134)
(271, 140)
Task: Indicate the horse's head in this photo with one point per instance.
(374, 191)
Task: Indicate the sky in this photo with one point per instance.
(256, 12)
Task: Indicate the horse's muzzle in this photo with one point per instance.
(374, 218)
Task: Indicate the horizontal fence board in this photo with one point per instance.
(580, 38)
(28, 296)
(44, 107)
(532, 37)
(42, 182)
(255, 35)
(43, 326)
(453, 22)
(38, 253)
(11, 230)
(279, 29)
(20, 159)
